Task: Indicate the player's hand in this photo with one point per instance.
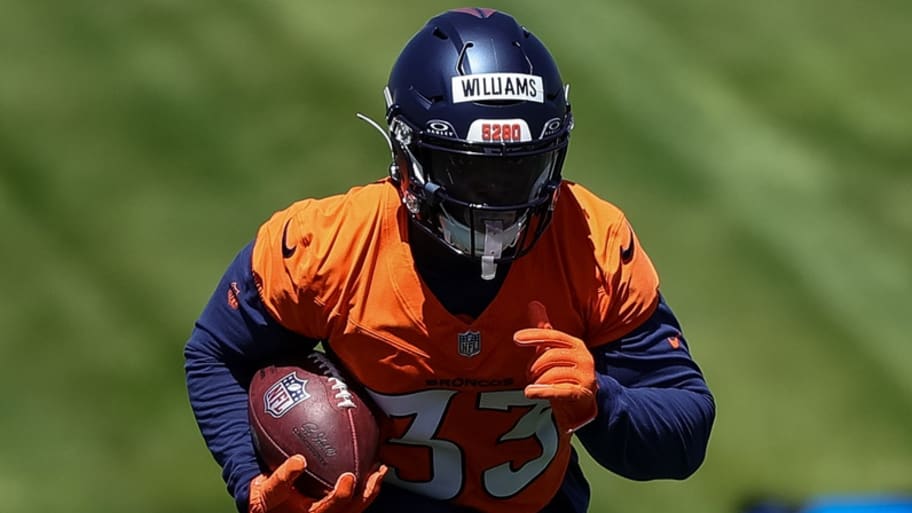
(563, 371)
(345, 498)
(276, 493)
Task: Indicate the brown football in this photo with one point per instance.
(309, 408)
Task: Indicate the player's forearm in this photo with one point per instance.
(232, 338)
(655, 409)
(220, 405)
(650, 433)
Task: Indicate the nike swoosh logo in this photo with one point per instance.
(627, 253)
(286, 251)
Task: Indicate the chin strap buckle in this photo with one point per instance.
(493, 248)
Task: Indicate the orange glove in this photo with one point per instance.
(563, 371)
(276, 493)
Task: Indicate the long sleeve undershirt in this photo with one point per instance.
(655, 409)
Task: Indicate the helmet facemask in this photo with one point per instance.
(486, 202)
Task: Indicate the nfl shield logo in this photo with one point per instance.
(469, 343)
(285, 394)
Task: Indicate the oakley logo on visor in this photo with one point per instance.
(499, 130)
(497, 86)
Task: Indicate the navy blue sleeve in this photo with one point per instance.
(233, 337)
(655, 409)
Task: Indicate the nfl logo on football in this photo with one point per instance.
(469, 343)
(285, 394)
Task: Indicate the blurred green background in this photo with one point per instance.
(761, 149)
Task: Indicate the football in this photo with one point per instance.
(309, 408)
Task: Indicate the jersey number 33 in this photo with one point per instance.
(431, 410)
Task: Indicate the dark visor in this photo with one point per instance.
(490, 180)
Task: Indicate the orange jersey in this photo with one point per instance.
(458, 426)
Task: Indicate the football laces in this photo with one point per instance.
(343, 395)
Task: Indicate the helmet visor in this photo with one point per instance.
(497, 181)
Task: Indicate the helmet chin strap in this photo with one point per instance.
(497, 236)
(493, 247)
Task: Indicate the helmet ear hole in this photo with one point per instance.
(394, 172)
(401, 170)
(399, 167)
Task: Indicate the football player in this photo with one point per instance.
(491, 309)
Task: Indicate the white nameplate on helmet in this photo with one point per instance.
(499, 131)
(498, 86)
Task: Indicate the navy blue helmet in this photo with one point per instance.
(479, 121)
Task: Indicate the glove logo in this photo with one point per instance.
(287, 392)
(469, 343)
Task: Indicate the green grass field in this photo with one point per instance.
(762, 150)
